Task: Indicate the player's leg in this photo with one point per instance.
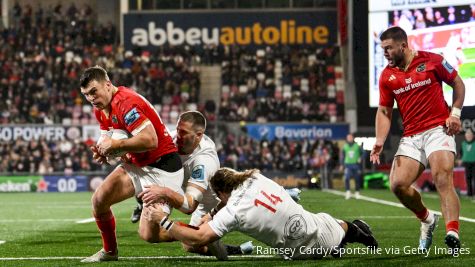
(151, 231)
(347, 176)
(116, 187)
(135, 217)
(404, 173)
(148, 230)
(442, 164)
(358, 182)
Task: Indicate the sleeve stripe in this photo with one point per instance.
(141, 127)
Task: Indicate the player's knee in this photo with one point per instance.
(398, 187)
(97, 200)
(441, 179)
(148, 236)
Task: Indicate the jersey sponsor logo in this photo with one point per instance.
(408, 80)
(421, 67)
(198, 173)
(412, 86)
(392, 77)
(447, 66)
(131, 116)
(295, 227)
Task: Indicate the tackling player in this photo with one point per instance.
(414, 80)
(259, 207)
(153, 156)
(200, 162)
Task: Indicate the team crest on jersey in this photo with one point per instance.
(447, 66)
(114, 119)
(296, 227)
(421, 67)
(198, 173)
(131, 116)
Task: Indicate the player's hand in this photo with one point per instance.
(206, 218)
(106, 146)
(126, 158)
(97, 156)
(155, 213)
(153, 194)
(453, 124)
(377, 149)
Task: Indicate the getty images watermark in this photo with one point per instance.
(406, 250)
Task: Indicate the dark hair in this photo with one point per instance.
(395, 33)
(96, 73)
(225, 180)
(196, 118)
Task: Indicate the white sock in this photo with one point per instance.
(429, 219)
(453, 233)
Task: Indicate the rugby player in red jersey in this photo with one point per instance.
(153, 157)
(414, 80)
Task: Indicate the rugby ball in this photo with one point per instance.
(118, 134)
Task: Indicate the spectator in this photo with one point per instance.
(467, 152)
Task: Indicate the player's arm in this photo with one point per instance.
(453, 122)
(185, 203)
(204, 235)
(144, 140)
(383, 125)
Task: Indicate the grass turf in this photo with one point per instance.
(44, 225)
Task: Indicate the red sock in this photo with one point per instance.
(106, 224)
(422, 215)
(452, 226)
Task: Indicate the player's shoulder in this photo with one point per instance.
(429, 55)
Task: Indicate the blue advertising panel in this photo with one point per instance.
(66, 183)
(298, 131)
(152, 30)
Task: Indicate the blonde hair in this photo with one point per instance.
(225, 180)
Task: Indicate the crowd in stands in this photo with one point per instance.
(46, 157)
(285, 155)
(44, 51)
(282, 84)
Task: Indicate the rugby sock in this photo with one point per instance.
(452, 226)
(233, 250)
(106, 224)
(423, 214)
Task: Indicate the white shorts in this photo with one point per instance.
(329, 235)
(142, 176)
(421, 145)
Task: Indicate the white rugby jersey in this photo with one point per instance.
(199, 167)
(264, 210)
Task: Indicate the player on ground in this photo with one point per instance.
(200, 162)
(257, 206)
(153, 156)
(414, 80)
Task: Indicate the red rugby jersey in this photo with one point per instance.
(128, 111)
(418, 91)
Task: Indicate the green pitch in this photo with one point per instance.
(42, 229)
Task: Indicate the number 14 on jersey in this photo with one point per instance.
(274, 200)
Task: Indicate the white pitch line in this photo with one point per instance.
(2, 242)
(389, 203)
(133, 258)
(88, 220)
